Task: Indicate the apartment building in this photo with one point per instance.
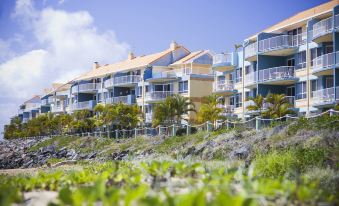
(298, 57)
(142, 80)
(30, 109)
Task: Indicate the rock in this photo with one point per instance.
(240, 153)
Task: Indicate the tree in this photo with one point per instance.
(278, 106)
(171, 110)
(209, 110)
(82, 121)
(258, 104)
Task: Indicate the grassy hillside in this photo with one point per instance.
(288, 164)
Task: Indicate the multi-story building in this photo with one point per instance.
(144, 80)
(298, 57)
(30, 109)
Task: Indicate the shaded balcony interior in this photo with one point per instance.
(89, 87)
(324, 92)
(321, 29)
(126, 95)
(323, 59)
(161, 74)
(224, 84)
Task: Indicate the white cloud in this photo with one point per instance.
(68, 45)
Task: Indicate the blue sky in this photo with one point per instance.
(54, 40)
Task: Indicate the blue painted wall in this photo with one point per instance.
(85, 97)
(204, 59)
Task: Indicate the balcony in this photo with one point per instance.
(84, 105)
(336, 21)
(86, 88)
(44, 102)
(158, 95)
(122, 81)
(114, 100)
(225, 87)
(148, 117)
(228, 110)
(251, 79)
(291, 100)
(322, 30)
(57, 109)
(283, 75)
(32, 106)
(324, 97)
(251, 52)
(224, 62)
(61, 94)
(165, 76)
(323, 64)
(282, 45)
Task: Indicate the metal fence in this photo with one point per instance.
(186, 129)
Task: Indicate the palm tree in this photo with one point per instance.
(182, 106)
(209, 110)
(258, 104)
(278, 106)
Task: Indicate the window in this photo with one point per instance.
(290, 62)
(290, 91)
(301, 60)
(301, 90)
(99, 97)
(183, 87)
(238, 75)
(146, 88)
(238, 100)
(329, 82)
(139, 91)
(316, 52)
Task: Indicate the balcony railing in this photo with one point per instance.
(276, 73)
(282, 42)
(322, 27)
(62, 93)
(57, 109)
(32, 106)
(83, 105)
(322, 62)
(148, 117)
(88, 87)
(129, 79)
(291, 100)
(251, 50)
(226, 108)
(158, 95)
(224, 85)
(114, 100)
(44, 102)
(323, 96)
(251, 78)
(165, 75)
(50, 99)
(221, 58)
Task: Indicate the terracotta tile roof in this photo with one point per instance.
(125, 65)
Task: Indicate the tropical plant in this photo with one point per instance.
(82, 121)
(278, 106)
(171, 110)
(209, 110)
(258, 104)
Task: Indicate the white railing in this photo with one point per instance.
(129, 79)
(251, 50)
(57, 109)
(88, 87)
(322, 27)
(322, 62)
(226, 108)
(31, 106)
(158, 95)
(323, 96)
(220, 58)
(114, 100)
(224, 85)
(251, 78)
(82, 105)
(44, 101)
(282, 42)
(276, 73)
(109, 83)
(50, 99)
(148, 117)
(62, 93)
(166, 74)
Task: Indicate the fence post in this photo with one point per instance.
(287, 117)
(173, 130)
(123, 133)
(227, 124)
(188, 129)
(135, 132)
(331, 112)
(117, 133)
(159, 130)
(209, 126)
(108, 134)
(257, 123)
(100, 134)
(88, 134)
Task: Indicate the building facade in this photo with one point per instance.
(298, 57)
(143, 80)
